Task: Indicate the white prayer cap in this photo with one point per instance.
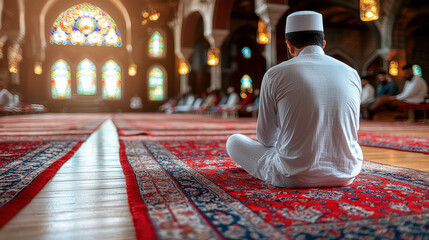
(304, 21)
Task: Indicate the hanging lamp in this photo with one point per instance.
(213, 56)
(183, 67)
(264, 34)
(369, 10)
(394, 68)
(132, 70)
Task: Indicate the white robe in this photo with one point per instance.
(414, 91)
(307, 124)
(367, 94)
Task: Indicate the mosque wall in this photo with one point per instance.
(362, 45)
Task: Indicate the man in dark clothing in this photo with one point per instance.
(386, 86)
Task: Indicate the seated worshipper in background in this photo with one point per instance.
(414, 92)
(308, 116)
(248, 99)
(245, 102)
(7, 99)
(136, 102)
(386, 86)
(186, 104)
(168, 106)
(210, 100)
(367, 97)
(367, 91)
(231, 100)
(253, 107)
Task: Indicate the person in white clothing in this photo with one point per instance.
(308, 116)
(232, 99)
(367, 92)
(414, 92)
(367, 97)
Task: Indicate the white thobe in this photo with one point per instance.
(367, 94)
(414, 91)
(307, 124)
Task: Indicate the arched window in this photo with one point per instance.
(246, 83)
(156, 45)
(86, 78)
(85, 24)
(60, 80)
(417, 70)
(247, 53)
(111, 78)
(156, 84)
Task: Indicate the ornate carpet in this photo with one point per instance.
(26, 166)
(159, 126)
(190, 189)
(395, 141)
(51, 124)
(32, 150)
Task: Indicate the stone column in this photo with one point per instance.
(184, 79)
(216, 39)
(271, 14)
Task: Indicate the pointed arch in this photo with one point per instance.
(86, 78)
(60, 80)
(111, 80)
(375, 56)
(344, 55)
(85, 24)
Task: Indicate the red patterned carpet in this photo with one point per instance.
(401, 142)
(382, 134)
(157, 126)
(50, 124)
(181, 183)
(186, 187)
(32, 150)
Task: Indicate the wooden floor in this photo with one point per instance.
(87, 197)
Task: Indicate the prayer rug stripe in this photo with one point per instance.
(14, 197)
(142, 223)
(400, 142)
(177, 126)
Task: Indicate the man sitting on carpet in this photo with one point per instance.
(308, 116)
(414, 92)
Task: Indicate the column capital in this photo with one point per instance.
(270, 12)
(217, 37)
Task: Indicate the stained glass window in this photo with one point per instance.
(156, 84)
(247, 53)
(246, 83)
(156, 45)
(86, 78)
(85, 24)
(60, 80)
(417, 70)
(111, 80)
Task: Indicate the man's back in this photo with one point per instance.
(317, 100)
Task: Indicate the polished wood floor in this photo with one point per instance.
(87, 197)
